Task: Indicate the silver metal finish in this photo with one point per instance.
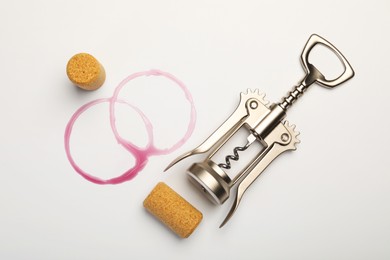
(234, 157)
(282, 139)
(265, 124)
(211, 179)
(313, 75)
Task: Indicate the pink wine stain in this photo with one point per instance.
(141, 155)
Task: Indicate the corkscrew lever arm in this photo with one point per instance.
(224, 132)
(217, 139)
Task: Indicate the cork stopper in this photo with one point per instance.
(173, 210)
(85, 71)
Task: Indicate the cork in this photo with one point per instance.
(85, 71)
(173, 210)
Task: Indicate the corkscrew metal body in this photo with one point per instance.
(265, 124)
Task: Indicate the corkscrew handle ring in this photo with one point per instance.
(313, 74)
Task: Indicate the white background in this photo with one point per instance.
(327, 200)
